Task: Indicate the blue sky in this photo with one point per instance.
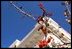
(13, 26)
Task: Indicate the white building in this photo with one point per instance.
(31, 40)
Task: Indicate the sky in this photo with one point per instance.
(14, 26)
